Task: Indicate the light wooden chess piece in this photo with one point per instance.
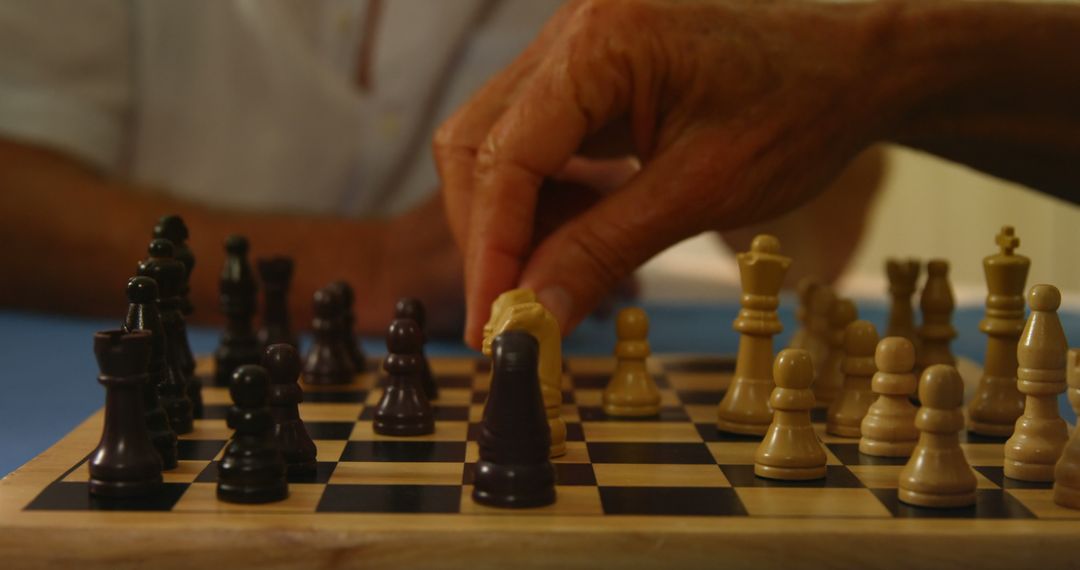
(791, 450)
(1040, 434)
(936, 331)
(847, 411)
(997, 403)
(903, 275)
(631, 392)
(817, 341)
(806, 288)
(938, 474)
(500, 304)
(745, 407)
(535, 319)
(888, 430)
(1067, 470)
(830, 380)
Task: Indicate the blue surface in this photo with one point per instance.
(48, 382)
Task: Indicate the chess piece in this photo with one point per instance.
(1067, 469)
(403, 408)
(631, 392)
(514, 470)
(328, 360)
(536, 320)
(143, 314)
(252, 469)
(936, 331)
(238, 345)
(847, 411)
(938, 474)
(745, 407)
(820, 309)
(1040, 434)
(791, 450)
(173, 390)
(830, 379)
(1072, 379)
(276, 275)
(888, 429)
(806, 288)
(125, 463)
(282, 364)
(411, 308)
(903, 275)
(997, 403)
(500, 304)
(172, 228)
(348, 316)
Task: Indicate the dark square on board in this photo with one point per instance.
(989, 504)
(836, 477)
(62, 496)
(685, 501)
(390, 499)
(408, 451)
(664, 453)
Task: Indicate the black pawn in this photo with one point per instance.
(172, 228)
(276, 276)
(348, 313)
(143, 314)
(328, 361)
(412, 308)
(514, 470)
(252, 469)
(283, 365)
(125, 463)
(403, 408)
(238, 291)
(173, 387)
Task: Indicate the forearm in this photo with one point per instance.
(995, 86)
(73, 238)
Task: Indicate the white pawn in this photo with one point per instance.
(791, 450)
(888, 430)
(938, 474)
(847, 411)
(1040, 434)
(830, 379)
(631, 392)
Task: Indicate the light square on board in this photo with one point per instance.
(329, 449)
(569, 500)
(330, 412)
(397, 473)
(699, 381)
(451, 365)
(1041, 504)
(742, 453)
(622, 431)
(202, 497)
(888, 476)
(796, 502)
(984, 454)
(213, 395)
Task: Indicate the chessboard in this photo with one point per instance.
(664, 491)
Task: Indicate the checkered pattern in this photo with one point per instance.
(676, 464)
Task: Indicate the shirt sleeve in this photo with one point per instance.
(65, 78)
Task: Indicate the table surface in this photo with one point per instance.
(49, 385)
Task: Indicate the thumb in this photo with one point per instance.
(579, 264)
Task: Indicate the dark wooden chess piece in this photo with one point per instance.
(514, 470)
(238, 290)
(348, 313)
(125, 463)
(167, 272)
(143, 314)
(276, 276)
(328, 361)
(412, 308)
(172, 228)
(403, 408)
(282, 363)
(252, 469)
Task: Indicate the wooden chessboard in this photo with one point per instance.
(668, 491)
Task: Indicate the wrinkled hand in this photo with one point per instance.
(735, 112)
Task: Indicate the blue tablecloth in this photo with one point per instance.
(48, 377)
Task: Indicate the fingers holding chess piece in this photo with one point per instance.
(888, 429)
(631, 391)
(791, 450)
(1040, 434)
(938, 474)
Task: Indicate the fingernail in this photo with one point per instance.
(558, 301)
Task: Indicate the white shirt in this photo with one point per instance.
(253, 104)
